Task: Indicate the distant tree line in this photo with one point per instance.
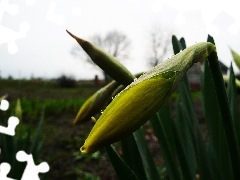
(66, 81)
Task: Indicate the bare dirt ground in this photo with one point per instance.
(62, 143)
(61, 148)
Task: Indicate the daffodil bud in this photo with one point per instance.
(106, 62)
(236, 58)
(95, 103)
(226, 80)
(139, 101)
(121, 87)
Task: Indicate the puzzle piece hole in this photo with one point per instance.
(234, 28)
(30, 2)
(4, 105)
(5, 168)
(24, 27)
(76, 11)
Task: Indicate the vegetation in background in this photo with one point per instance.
(66, 81)
(26, 139)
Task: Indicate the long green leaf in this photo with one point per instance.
(204, 167)
(217, 138)
(162, 126)
(132, 156)
(225, 111)
(192, 126)
(148, 162)
(232, 96)
(184, 142)
(203, 164)
(36, 143)
(122, 170)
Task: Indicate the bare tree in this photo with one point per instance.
(160, 45)
(114, 42)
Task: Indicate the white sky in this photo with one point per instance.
(44, 46)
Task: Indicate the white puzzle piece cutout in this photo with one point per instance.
(9, 8)
(31, 171)
(4, 105)
(4, 170)
(52, 16)
(30, 2)
(7, 35)
(10, 129)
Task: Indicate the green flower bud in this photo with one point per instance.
(226, 80)
(121, 87)
(236, 58)
(106, 62)
(95, 103)
(139, 101)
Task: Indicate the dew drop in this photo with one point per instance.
(82, 149)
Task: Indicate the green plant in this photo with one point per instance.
(78, 156)
(24, 140)
(32, 108)
(186, 155)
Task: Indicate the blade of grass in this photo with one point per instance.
(34, 148)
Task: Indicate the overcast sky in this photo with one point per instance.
(43, 47)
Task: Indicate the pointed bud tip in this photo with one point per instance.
(79, 40)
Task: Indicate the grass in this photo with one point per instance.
(61, 140)
(44, 89)
(36, 93)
